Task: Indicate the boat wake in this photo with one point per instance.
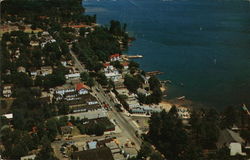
(133, 3)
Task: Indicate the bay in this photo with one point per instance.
(204, 44)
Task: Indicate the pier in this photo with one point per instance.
(133, 56)
(154, 73)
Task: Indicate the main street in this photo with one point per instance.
(126, 125)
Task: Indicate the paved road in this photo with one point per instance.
(77, 62)
(123, 122)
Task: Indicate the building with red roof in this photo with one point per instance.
(115, 57)
(82, 88)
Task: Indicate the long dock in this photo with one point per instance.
(133, 56)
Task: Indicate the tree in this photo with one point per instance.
(230, 117)
(18, 151)
(154, 83)
(131, 83)
(117, 64)
(133, 64)
(167, 133)
(46, 153)
(145, 151)
(21, 80)
(63, 109)
(156, 156)
(52, 128)
(102, 79)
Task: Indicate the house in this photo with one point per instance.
(8, 116)
(114, 76)
(125, 65)
(72, 76)
(61, 90)
(64, 63)
(33, 72)
(144, 109)
(183, 112)
(145, 79)
(7, 72)
(34, 43)
(83, 108)
(142, 91)
(66, 129)
(45, 33)
(115, 57)
(21, 69)
(92, 145)
(92, 103)
(101, 153)
(232, 140)
(46, 70)
(82, 89)
(235, 148)
(108, 67)
(7, 90)
(29, 157)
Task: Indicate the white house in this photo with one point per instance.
(29, 157)
(115, 75)
(7, 90)
(64, 89)
(8, 116)
(108, 67)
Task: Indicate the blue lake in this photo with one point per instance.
(204, 44)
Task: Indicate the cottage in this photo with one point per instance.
(21, 69)
(46, 70)
(115, 57)
(7, 90)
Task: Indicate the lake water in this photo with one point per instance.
(204, 44)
